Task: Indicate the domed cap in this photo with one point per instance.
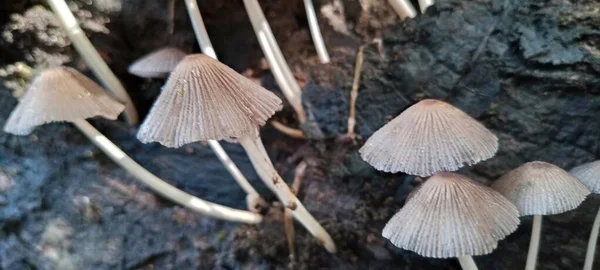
(589, 175)
(451, 216)
(60, 94)
(429, 137)
(157, 64)
(206, 100)
(540, 188)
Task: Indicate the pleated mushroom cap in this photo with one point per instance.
(450, 216)
(205, 100)
(157, 64)
(60, 94)
(541, 188)
(589, 175)
(429, 137)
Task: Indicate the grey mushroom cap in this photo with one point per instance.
(60, 94)
(451, 216)
(589, 175)
(157, 64)
(541, 188)
(429, 137)
(204, 99)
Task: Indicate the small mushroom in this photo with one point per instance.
(589, 175)
(429, 137)
(157, 64)
(205, 100)
(540, 188)
(450, 216)
(63, 94)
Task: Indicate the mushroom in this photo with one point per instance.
(281, 71)
(450, 216)
(205, 100)
(63, 94)
(93, 58)
(429, 137)
(540, 188)
(589, 175)
(157, 64)
(403, 8)
(315, 31)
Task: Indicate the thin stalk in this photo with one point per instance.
(166, 190)
(171, 10)
(354, 92)
(591, 249)
(207, 48)
(288, 221)
(315, 31)
(467, 263)
(283, 75)
(403, 8)
(93, 59)
(263, 166)
(424, 4)
(292, 132)
(534, 243)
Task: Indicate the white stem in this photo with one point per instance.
(534, 243)
(93, 58)
(424, 4)
(168, 191)
(403, 8)
(200, 29)
(283, 75)
(315, 31)
(467, 263)
(207, 48)
(263, 166)
(591, 249)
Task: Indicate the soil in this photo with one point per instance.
(529, 70)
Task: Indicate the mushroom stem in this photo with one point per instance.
(168, 191)
(93, 59)
(591, 249)
(207, 48)
(467, 263)
(354, 92)
(315, 31)
(263, 166)
(288, 221)
(424, 4)
(403, 8)
(283, 75)
(534, 243)
(171, 10)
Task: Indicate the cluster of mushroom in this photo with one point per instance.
(452, 216)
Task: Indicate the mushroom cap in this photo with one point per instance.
(204, 99)
(157, 64)
(450, 216)
(541, 188)
(429, 137)
(589, 175)
(60, 94)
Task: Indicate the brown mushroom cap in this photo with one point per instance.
(589, 175)
(450, 216)
(541, 188)
(204, 99)
(429, 137)
(157, 64)
(60, 94)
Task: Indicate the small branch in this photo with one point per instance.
(354, 92)
(315, 32)
(292, 132)
(287, 218)
(93, 59)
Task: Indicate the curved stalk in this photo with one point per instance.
(403, 8)
(292, 132)
(283, 75)
(168, 191)
(467, 263)
(93, 59)
(263, 166)
(206, 47)
(315, 31)
(424, 4)
(591, 248)
(534, 243)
